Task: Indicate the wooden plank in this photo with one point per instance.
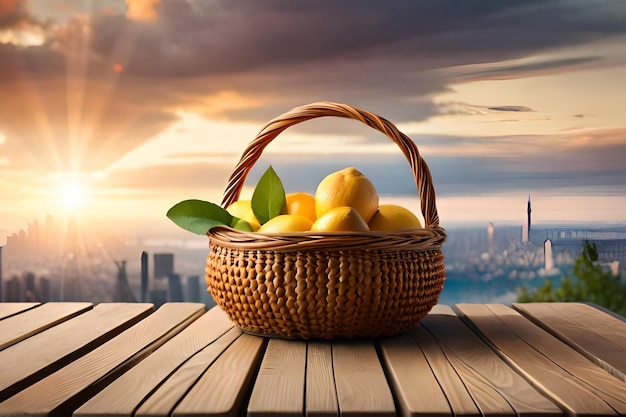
(279, 386)
(46, 352)
(441, 309)
(321, 394)
(460, 400)
(126, 393)
(222, 389)
(597, 380)
(33, 321)
(164, 399)
(65, 390)
(598, 335)
(10, 309)
(416, 389)
(362, 387)
(494, 386)
(571, 394)
(606, 310)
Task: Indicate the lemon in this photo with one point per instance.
(302, 204)
(285, 223)
(242, 225)
(347, 187)
(243, 210)
(340, 219)
(391, 217)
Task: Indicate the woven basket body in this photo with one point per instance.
(327, 285)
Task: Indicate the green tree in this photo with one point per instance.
(590, 282)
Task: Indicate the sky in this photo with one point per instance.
(111, 111)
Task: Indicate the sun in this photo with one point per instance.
(73, 195)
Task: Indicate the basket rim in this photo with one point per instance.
(426, 239)
(272, 129)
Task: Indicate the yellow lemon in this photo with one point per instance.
(340, 219)
(302, 204)
(391, 217)
(286, 223)
(243, 210)
(347, 187)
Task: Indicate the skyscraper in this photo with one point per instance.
(1, 283)
(144, 277)
(548, 256)
(175, 288)
(163, 265)
(528, 210)
(490, 237)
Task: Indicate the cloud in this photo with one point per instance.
(143, 10)
(510, 108)
(11, 12)
(530, 69)
(70, 107)
(460, 108)
(572, 163)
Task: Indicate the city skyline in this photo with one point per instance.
(117, 110)
(485, 264)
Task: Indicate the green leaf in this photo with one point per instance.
(268, 198)
(240, 224)
(199, 216)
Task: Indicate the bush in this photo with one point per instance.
(589, 282)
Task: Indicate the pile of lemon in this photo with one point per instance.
(345, 201)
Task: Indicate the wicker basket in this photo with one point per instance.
(327, 285)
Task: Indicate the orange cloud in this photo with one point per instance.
(142, 9)
(10, 7)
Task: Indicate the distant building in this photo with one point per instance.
(163, 265)
(144, 277)
(158, 298)
(528, 210)
(27, 288)
(193, 289)
(610, 241)
(123, 293)
(490, 237)
(175, 288)
(1, 283)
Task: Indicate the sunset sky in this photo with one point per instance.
(113, 111)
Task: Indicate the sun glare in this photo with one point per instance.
(73, 195)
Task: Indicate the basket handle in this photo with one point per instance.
(273, 128)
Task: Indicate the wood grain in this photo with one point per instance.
(66, 389)
(125, 394)
(35, 320)
(441, 310)
(164, 399)
(460, 400)
(46, 352)
(321, 393)
(495, 387)
(590, 376)
(362, 388)
(222, 389)
(598, 335)
(416, 389)
(279, 386)
(10, 309)
(572, 396)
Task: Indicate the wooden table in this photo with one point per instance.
(535, 359)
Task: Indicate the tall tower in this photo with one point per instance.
(490, 237)
(1, 283)
(528, 210)
(548, 256)
(144, 277)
